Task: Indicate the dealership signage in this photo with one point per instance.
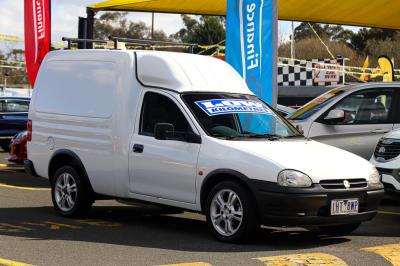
(232, 106)
(37, 35)
(326, 72)
(251, 44)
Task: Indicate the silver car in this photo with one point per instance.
(352, 117)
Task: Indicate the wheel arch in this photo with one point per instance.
(64, 157)
(218, 176)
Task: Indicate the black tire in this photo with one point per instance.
(339, 230)
(5, 146)
(249, 225)
(83, 196)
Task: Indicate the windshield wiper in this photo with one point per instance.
(294, 136)
(266, 136)
(248, 136)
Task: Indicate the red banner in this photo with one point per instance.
(37, 35)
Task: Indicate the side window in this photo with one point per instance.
(16, 106)
(367, 107)
(158, 108)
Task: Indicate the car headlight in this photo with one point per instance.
(374, 177)
(293, 178)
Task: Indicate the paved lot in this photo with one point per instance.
(116, 234)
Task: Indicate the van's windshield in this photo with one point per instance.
(237, 116)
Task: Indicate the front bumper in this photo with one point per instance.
(280, 206)
(391, 180)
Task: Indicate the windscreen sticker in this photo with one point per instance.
(232, 106)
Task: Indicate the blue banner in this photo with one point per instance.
(251, 44)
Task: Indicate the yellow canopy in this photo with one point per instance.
(367, 13)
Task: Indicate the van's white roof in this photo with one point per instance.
(179, 72)
(187, 72)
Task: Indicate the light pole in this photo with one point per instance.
(5, 80)
(292, 50)
(152, 25)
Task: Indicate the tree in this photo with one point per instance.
(312, 48)
(15, 76)
(325, 31)
(201, 30)
(389, 47)
(116, 24)
(360, 39)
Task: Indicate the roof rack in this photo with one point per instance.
(70, 41)
(151, 43)
(139, 42)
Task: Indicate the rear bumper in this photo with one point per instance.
(30, 168)
(301, 207)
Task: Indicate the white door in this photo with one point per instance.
(368, 115)
(163, 168)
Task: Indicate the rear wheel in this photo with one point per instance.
(70, 194)
(339, 230)
(231, 212)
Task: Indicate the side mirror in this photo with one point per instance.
(192, 138)
(163, 131)
(335, 115)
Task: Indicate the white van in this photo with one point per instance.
(185, 131)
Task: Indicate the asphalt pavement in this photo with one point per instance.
(31, 233)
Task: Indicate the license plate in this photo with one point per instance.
(344, 206)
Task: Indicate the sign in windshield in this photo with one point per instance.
(232, 106)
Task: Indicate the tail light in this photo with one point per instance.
(29, 128)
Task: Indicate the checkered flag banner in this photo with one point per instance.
(317, 72)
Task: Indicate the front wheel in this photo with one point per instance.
(70, 194)
(231, 212)
(339, 230)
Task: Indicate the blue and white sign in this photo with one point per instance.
(251, 44)
(232, 106)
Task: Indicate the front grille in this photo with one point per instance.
(387, 149)
(339, 183)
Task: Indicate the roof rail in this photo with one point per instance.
(150, 43)
(70, 41)
(138, 42)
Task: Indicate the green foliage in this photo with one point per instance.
(203, 30)
(359, 40)
(14, 76)
(331, 32)
(353, 45)
(116, 24)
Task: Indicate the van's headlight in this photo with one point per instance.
(374, 177)
(293, 178)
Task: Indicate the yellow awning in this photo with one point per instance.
(367, 13)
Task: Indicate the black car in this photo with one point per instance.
(13, 118)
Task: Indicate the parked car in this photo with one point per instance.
(284, 110)
(387, 160)
(190, 135)
(13, 118)
(18, 148)
(352, 117)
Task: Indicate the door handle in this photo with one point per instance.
(138, 148)
(380, 131)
